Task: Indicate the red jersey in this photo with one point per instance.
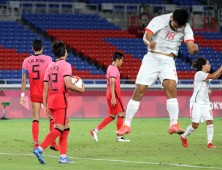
(113, 72)
(58, 92)
(36, 66)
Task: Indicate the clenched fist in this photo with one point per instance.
(195, 48)
(153, 45)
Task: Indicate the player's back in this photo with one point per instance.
(113, 72)
(58, 92)
(36, 66)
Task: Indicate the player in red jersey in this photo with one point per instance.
(114, 99)
(57, 81)
(35, 66)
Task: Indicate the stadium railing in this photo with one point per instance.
(125, 84)
(16, 8)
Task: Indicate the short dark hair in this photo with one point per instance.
(198, 63)
(37, 45)
(181, 16)
(117, 55)
(58, 48)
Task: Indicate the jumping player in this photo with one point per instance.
(57, 81)
(114, 99)
(163, 36)
(199, 103)
(35, 66)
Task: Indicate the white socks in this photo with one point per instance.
(132, 108)
(40, 148)
(63, 155)
(173, 109)
(189, 130)
(210, 133)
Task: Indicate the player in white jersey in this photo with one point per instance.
(163, 36)
(199, 103)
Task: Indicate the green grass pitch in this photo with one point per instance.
(151, 147)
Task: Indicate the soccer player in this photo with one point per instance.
(114, 99)
(163, 36)
(199, 103)
(57, 81)
(35, 66)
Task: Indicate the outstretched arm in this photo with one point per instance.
(216, 74)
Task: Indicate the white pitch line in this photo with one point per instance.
(114, 160)
(153, 133)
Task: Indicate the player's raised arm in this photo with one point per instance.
(189, 39)
(192, 48)
(151, 29)
(112, 89)
(71, 86)
(216, 74)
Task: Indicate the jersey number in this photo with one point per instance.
(35, 71)
(53, 81)
(170, 36)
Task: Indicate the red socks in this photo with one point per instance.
(63, 141)
(51, 127)
(35, 131)
(119, 122)
(105, 121)
(51, 137)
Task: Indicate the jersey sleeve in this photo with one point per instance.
(113, 73)
(155, 25)
(188, 33)
(201, 76)
(67, 70)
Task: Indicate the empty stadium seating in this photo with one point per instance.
(5, 1)
(16, 45)
(97, 39)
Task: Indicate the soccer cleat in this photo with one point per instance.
(94, 135)
(175, 129)
(65, 161)
(121, 139)
(184, 141)
(211, 146)
(54, 147)
(38, 153)
(124, 130)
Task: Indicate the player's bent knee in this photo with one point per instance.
(112, 116)
(195, 125)
(121, 114)
(60, 126)
(209, 122)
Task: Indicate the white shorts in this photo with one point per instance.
(200, 112)
(154, 66)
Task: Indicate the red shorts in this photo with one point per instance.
(36, 99)
(59, 116)
(118, 108)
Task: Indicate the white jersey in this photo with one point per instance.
(168, 40)
(201, 87)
